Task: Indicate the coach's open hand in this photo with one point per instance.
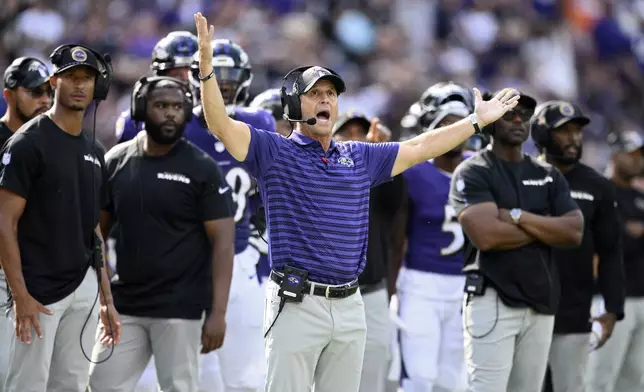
(204, 38)
(490, 111)
(27, 311)
(212, 333)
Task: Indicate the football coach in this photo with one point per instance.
(316, 195)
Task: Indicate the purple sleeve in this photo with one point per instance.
(379, 160)
(263, 150)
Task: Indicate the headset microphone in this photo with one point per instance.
(309, 121)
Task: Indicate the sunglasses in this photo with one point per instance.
(523, 113)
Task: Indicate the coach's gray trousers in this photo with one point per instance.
(506, 349)
(6, 331)
(375, 365)
(175, 344)
(56, 362)
(318, 341)
(568, 358)
(619, 365)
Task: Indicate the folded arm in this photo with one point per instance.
(487, 232)
(556, 231)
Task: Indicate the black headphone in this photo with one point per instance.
(104, 78)
(289, 92)
(11, 81)
(139, 100)
(541, 135)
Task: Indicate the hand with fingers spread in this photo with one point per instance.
(490, 111)
(27, 312)
(205, 35)
(378, 133)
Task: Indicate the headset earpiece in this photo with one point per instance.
(139, 99)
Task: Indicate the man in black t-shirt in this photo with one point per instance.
(513, 210)
(28, 94)
(170, 216)
(51, 188)
(556, 128)
(619, 365)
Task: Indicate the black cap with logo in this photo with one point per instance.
(75, 57)
(308, 78)
(27, 72)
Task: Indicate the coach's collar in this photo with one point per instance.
(303, 140)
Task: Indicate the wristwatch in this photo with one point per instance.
(515, 214)
(474, 119)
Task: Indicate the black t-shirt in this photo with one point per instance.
(384, 201)
(630, 204)
(5, 134)
(61, 177)
(595, 196)
(525, 276)
(158, 206)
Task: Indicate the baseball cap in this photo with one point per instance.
(345, 118)
(27, 72)
(628, 141)
(76, 56)
(311, 76)
(554, 114)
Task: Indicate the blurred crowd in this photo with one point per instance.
(388, 51)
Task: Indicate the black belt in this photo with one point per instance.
(370, 288)
(321, 289)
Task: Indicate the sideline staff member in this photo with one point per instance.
(316, 193)
(619, 365)
(384, 202)
(52, 189)
(28, 94)
(170, 212)
(513, 210)
(556, 128)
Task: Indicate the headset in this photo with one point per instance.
(10, 81)
(290, 97)
(105, 72)
(139, 99)
(539, 128)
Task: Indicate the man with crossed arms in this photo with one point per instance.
(316, 194)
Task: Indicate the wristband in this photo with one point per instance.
(210, 75)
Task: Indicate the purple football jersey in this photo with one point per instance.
(236, 175)
(434, 237)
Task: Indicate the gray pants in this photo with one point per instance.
(56, 363)
(318, 341)
(375, 365)
(568, 358)
(506, 349)
(6, 331)
(619, 365)
(175, 344)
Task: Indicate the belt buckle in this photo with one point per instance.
(327, 292)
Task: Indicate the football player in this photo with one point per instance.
(171, 56)
(430, 283)
(241, 359)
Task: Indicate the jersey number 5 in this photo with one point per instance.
(451, 225)
(239, 182)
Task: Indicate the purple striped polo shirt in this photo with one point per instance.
(317, 203)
